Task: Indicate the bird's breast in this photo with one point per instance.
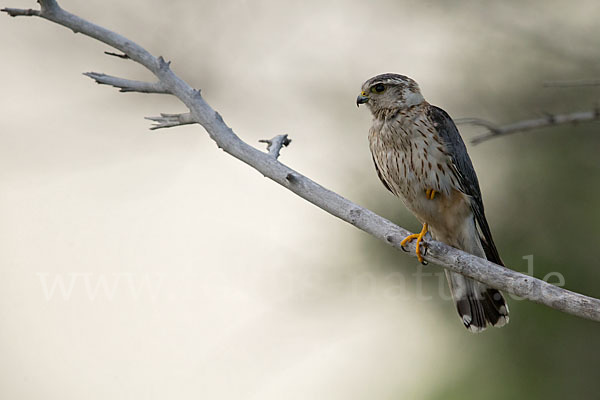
(412, 159)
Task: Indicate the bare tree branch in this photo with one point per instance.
(171, 120)
(274, 145)
(200, 112)
(127, 85)
(123, 56)
(18, 12)
(580, 83)
(528, 125)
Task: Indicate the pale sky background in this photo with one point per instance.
(220, 283)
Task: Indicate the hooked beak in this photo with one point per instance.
(362, 98)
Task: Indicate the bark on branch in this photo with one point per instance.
(528, 125)
(274, 145)
(127, 85)
(200, 112)
(171, 120)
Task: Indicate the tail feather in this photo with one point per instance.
(495, 307)
(477, 304)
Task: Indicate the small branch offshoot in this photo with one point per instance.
(274, 145)
(527, 125)
(171, 120)
(127, 85)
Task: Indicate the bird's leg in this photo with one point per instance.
(419, 237)
(430, 195)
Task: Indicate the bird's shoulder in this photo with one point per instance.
(451, 139)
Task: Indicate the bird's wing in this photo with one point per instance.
(465, 173)
(381, 178)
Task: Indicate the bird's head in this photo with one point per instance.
(389, 92)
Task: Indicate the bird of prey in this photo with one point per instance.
(420, 157)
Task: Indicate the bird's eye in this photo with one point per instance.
(379, 88)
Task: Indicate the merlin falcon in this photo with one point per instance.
(420, 157)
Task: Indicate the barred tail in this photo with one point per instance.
(477, 304)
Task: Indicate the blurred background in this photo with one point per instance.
(139, 264)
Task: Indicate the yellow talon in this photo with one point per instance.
(419, 238)
(430, 194)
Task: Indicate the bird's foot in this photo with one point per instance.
(420, 243)
(430, 194)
